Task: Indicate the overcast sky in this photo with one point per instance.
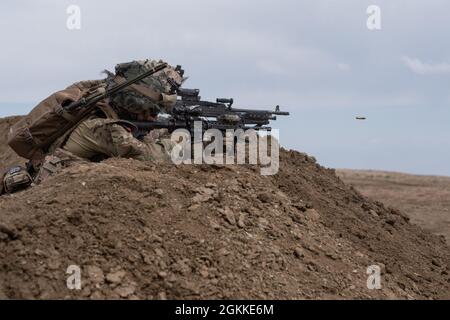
(316, 59)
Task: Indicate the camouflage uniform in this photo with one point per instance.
(108, 138)
(97, 138)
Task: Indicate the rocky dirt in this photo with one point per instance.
(141, 231)
(425, 199)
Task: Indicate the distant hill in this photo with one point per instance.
(425, 199)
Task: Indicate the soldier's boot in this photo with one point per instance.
(15, 179)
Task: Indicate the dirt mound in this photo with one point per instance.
(138, 230)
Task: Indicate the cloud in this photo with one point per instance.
(270, 67)
(375, 141)
(423, 68)
(343, 66)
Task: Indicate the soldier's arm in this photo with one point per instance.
(110, 138)
(125, 145)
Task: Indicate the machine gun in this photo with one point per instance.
(220, 115)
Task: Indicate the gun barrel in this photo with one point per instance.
(281, 113)
(278, 113)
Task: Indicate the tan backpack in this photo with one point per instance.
(32, 136)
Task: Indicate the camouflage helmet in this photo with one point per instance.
(165, 81)
(148, 94)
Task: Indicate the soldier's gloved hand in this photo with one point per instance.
(155, 135)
